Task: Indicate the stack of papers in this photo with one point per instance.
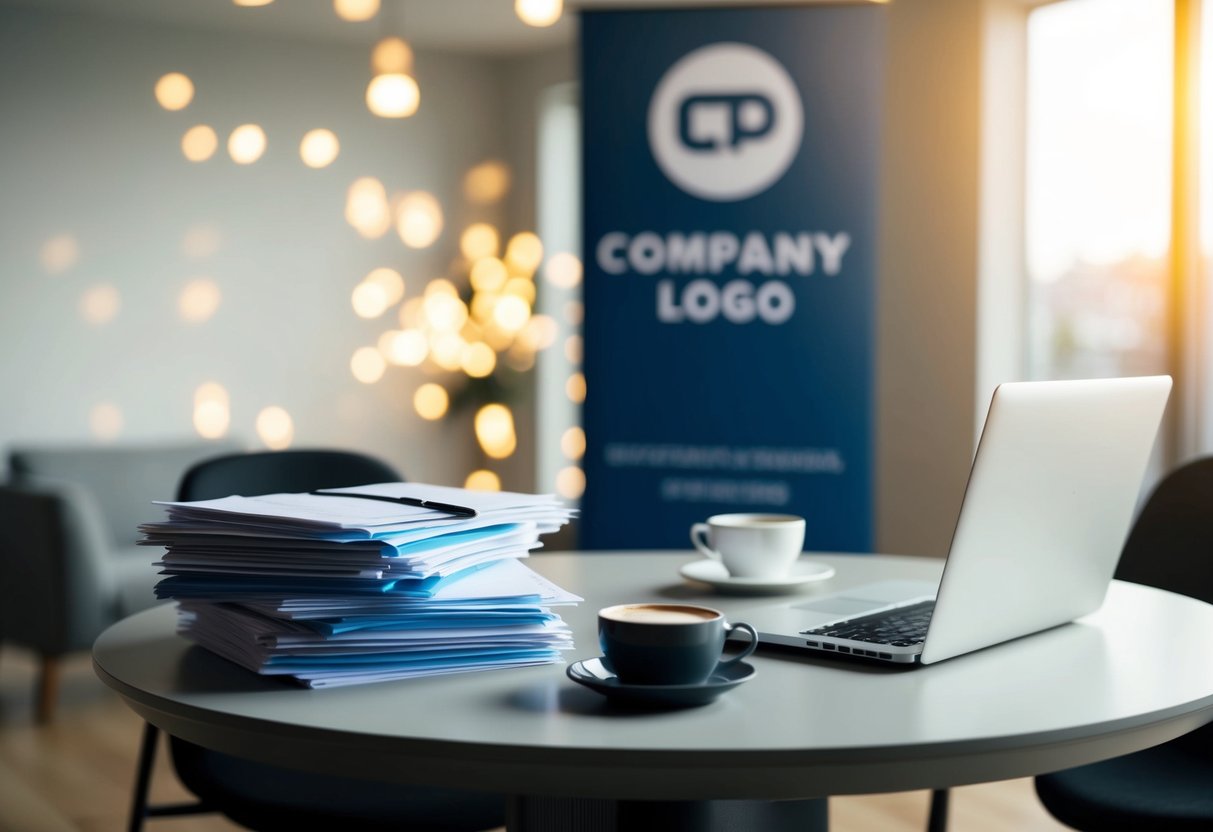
(364, 584)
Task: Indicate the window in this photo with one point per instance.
(560, 441)
(1099, 173)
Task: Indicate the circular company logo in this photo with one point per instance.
(725, 122)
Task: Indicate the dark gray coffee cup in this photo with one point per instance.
(666, 644)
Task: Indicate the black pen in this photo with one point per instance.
(446, 508)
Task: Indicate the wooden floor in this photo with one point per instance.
(76, 774)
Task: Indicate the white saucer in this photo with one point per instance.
(713, 572)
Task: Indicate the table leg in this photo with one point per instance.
(937, 820)
(532, 813)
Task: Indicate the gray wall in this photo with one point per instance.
(927, 341)
(88, 152)
(951, 278)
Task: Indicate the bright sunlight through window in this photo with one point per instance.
(1098, 186)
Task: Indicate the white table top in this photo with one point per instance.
(1133, 674)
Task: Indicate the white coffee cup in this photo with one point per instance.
(751, 545)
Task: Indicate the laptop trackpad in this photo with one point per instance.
(868, 597)
(837, 606)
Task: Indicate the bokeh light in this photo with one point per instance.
(524, 252)
(59, 253)
(572, 443)
(520, 287)
(538, 13)
(211, 419)
(411, 313)
(479, 240)
(319, 148)
(486, 182)
(574, 349)
(497, 337)
(574, 388)
(212, 411)
(539, 333)
(431, 401)
(570, 482)
(563, 270)
(367, 364)
(246, 144)
(488, 275)
(404, 347)
(446, 350)
(100, 304)
(174, 91)
(369, 300)
(105, 421)
(390, 281)
(482, 306)
(419, 219)
(392, 55)
(441, 285)
(443, 312)
(201, 240)
(511, 313)
(211, 391)
(275, 428)
(574, 312)
(471, 331)
(385, 343)
(495, 430)
(520, 357)
(356, 11)
(366, 207)
(199, 143)
(252, 3)
(478, 360)
(482, 480)
(199, 300)
(393, 95)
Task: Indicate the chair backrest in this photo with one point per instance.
(1171, 544)
(274, 472)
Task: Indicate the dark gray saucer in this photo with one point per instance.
(596, 675)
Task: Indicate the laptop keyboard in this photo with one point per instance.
(900, 627)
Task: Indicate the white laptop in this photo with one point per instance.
(1048, 505)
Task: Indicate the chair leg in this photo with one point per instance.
(48, 689)
(143, 776)
(937, 820)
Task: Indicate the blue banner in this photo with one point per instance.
(730, 171)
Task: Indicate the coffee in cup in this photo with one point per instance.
(751, 545)
(666, 644)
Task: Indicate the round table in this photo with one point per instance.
(1131, 675)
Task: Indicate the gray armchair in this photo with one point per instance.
(69, 566)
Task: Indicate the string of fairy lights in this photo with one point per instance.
(465, 337)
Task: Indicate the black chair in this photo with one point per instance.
(1170, 786)
(269, 798)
